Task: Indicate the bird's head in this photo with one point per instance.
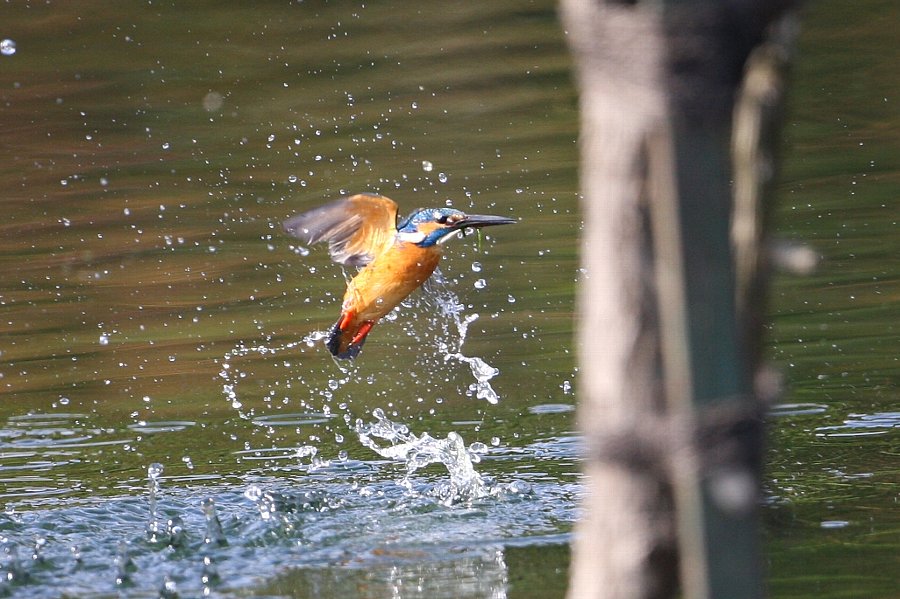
(429, 226)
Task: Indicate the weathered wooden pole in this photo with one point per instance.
(666, 364)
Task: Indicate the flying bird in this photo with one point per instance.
(396, 257)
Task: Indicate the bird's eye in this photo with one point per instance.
(448, 219)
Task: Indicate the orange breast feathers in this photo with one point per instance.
(388, 279)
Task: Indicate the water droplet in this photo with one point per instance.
(209, 575)
(155, 470)
(169, 589)
(166, 146)
(427, 166)
(442, 177)
(63, 401)
(478, 447)
(480, 284)
(476, 267)
(306, 451)
(7, 47)
(510, 299)
(175, 531)
(104, 339)
(253, 493)
(123, 563)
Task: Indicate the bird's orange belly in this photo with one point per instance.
(387, 280)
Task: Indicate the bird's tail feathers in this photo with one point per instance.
(347, 337)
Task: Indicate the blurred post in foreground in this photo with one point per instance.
(668, 324)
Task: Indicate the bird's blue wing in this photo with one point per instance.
(357, 228)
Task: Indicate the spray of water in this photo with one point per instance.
(446, 329)
(447, 326)
(418, 451)
(453, 327)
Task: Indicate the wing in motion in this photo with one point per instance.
(357, 228)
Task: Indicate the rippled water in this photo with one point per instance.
(299, 525)
(153, 313)
(292, 514)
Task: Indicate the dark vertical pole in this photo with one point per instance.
(667, 407)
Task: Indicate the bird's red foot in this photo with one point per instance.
(360, 335)
(346, 318)
(347, 337)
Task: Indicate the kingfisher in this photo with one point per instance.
(396, 257)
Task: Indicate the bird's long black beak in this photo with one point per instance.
(476, 221)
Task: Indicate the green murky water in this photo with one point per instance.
(833, 528)
(153, 312)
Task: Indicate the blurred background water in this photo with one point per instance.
(153, 313)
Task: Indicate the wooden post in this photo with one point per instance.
(672, 426)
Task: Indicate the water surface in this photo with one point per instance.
(153, 312)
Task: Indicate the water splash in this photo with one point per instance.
(310, 523)
(265, 503)
(454, 327)
(483, 373)
(233, 374)
(124, 564)
(447, 328)
(37, 551)
(155, 531)
(418, 451)
(12, 570)
(215, 536)
(169, 588)
(177, 536)
(209, 575)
